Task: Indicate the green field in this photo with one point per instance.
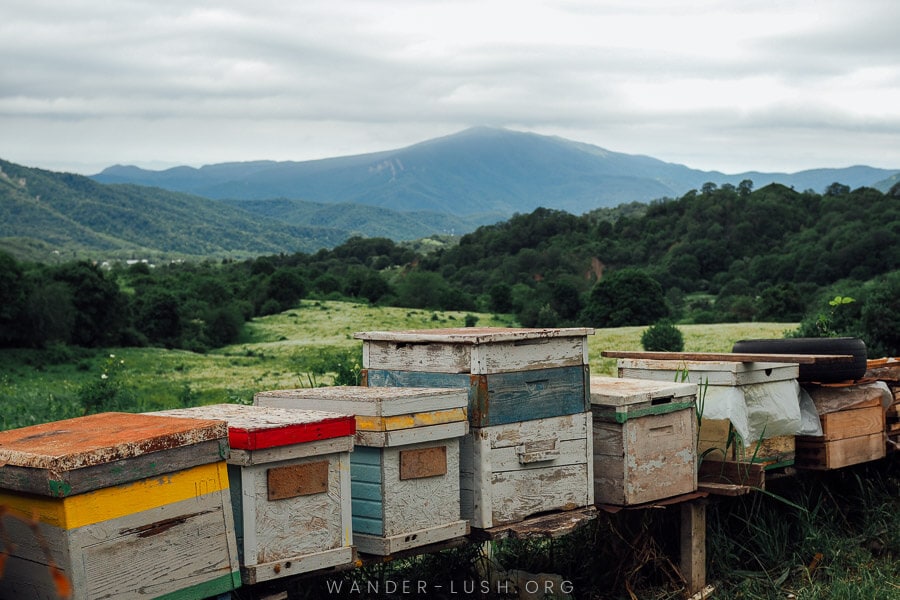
(297, 348)
(815, 535)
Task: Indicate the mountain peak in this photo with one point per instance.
(482, 169)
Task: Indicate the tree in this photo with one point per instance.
(50, 315)
(157, 315)
(565, 299)
(501, 298)
(780, 302)
(625, 297)
(374, 287)
(881, 317)
(223, 325)
(421, 289)
(837, 189)
(286, 287)
(100, 307)
(12, 299)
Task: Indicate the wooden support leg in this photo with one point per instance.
(693, 544)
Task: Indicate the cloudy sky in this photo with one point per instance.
(729, 85)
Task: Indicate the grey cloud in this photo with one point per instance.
(302, 80)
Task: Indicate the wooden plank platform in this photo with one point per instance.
(730, 356)
(723, 489)
(551, 525)
(749, 475)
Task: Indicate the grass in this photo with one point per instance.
(288, 350)
(844, 541)
(697, 338)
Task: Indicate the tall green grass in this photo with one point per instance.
(297, 348)
(817, 535)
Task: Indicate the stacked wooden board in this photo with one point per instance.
(644, 438)
(405, 477)
(118, 506)
(290, 487)
(887, 370)
(853, 426)
(732, 397)
(529, 446)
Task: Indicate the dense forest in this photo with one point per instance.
(717, 254)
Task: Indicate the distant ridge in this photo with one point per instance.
(448, 185)
(479, 171)
(47, 216)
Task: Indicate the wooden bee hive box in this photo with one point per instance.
(887, 370)
(853, 427)
(119, 505)
(290, 487)
(529, 411)
(644, 439)
(405, 477)
(511, 374)
(517, 470)
(747, 389)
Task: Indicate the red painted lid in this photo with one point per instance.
(259, 427)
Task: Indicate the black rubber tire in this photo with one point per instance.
(819, 372)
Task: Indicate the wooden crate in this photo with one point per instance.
(79, 500)
(290, 487)
(644, 440)
(887, 370)
(718, 441)
(513, 471)
(818, 455)
(405, 479)
(850, 435)
(737, 385)
(511, 374)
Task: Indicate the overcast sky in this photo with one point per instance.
(728, 85)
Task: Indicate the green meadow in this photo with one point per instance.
(815, 535)
(303, 347)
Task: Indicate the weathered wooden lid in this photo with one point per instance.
(472, 335)
(613, 391)
(259, 427)
(101, 438)
(722, 372)
(368, 401)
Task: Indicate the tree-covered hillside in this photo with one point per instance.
(760, 254)
(715, 255)
(45, 215)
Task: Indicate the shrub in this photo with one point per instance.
(109, 391)
(662, 337)
(625, 297)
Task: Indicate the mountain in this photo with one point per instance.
(451, 184)
(481, 171)
(363, 220)
(45, 214)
